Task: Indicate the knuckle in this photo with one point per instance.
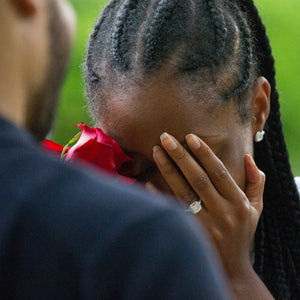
(201, 182)
(219, 174)
(179, 154)
(243, 210)
(228, 222)
(168, 169)
(187, 196)
(205, 152)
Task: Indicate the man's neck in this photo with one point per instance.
(12, 91)
(12, 98)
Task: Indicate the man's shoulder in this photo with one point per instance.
(64, 228)
(71, 203)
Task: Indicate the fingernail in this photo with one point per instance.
(168, 141)
(155, 148)
(193, 141)
(159, 156)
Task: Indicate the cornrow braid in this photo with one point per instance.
(105, 15)
(100, 29)
(214, 41)
(118, 37)
(152, 53)
(285, 204)
(247, 53)
(220, 30)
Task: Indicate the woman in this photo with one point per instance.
(203, 67)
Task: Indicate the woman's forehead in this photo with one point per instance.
(143, 116)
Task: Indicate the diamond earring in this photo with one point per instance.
(259, 136)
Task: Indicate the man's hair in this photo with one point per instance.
(223, 44)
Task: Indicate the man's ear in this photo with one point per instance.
(260, 104)
(26, 8)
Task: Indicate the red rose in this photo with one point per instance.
(97, 149)
(53, 148)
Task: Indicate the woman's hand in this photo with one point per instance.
(229, 214)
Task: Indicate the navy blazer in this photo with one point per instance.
(70, 234)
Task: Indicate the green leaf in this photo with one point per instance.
(69, 144)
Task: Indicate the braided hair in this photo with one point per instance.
(222, 43)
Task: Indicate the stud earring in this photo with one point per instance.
(259, 136)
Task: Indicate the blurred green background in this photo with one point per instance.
(283, 27)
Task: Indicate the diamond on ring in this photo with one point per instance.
(195, 207)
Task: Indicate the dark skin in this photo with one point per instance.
(154, 125)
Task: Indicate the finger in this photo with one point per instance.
(214, 167)
(173, 177)
(255, 181)
(193, 173)
(151, 188)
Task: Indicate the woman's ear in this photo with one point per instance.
(260, 104)
(26, 8)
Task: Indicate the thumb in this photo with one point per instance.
(255, 182)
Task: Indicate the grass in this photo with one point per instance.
(283, 27)
(72, 108)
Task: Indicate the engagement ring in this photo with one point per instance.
(195, 207)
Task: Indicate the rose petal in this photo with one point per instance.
(101, 151)
(119, 156)
(53, 148)
(97, 154)
(87, 133)
(99, 136)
